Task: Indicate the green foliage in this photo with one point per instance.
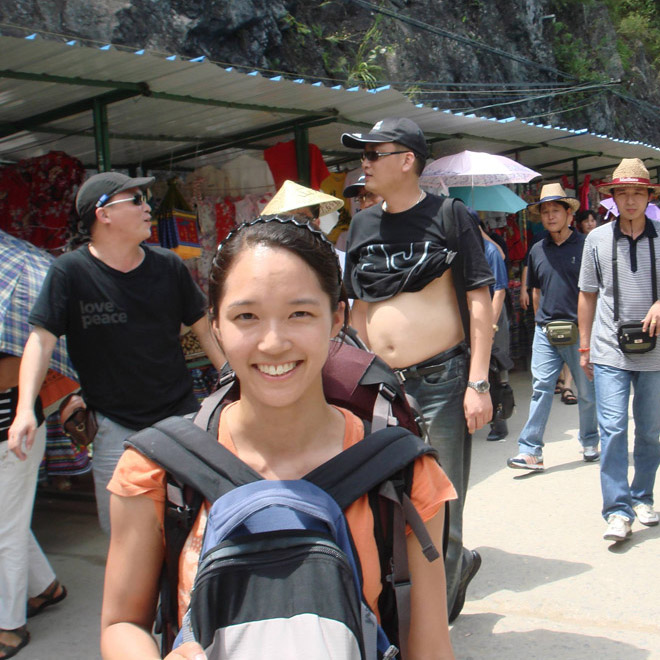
(354, 57)
(575, 56)
(637, 22)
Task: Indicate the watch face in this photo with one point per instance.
(480, 386)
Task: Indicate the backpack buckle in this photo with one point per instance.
(388, 392)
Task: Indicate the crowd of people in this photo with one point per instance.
(422, 284)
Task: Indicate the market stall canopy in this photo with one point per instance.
(164, 112)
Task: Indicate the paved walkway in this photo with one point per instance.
(550, 587)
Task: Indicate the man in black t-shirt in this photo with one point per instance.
(399, 265)
(121, 305)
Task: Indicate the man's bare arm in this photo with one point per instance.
(497, 304)
(34, 365)
(586, 312)
(536, 299)
(524, 293)
(478, 407)
(202, 330)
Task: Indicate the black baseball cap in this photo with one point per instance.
(393, 129)
(99, 188)
(356, 188)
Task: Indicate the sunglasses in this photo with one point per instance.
(373, 156)
(138, 199)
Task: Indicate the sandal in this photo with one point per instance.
(47, 598)
(9, 651)
(559, 387)
(568, 397)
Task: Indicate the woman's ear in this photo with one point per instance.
(338, 319)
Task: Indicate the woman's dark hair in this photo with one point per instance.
(581, 216)
(289, 233)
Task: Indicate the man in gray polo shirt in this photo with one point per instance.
(635, 239)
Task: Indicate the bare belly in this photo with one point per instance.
(412, 327)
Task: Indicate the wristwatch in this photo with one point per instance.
(481, 386)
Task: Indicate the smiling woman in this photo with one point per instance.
(276, 300)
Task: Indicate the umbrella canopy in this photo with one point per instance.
(652, 211)
(489, 198)
(23, 268)
(474, 168)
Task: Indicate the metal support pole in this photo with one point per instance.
(301, 135)
(101, 137)
(576, 173)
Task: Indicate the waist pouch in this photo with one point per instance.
(78, 422)
(632, 339)
(561, 333)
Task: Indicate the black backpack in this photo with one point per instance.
(381, 466)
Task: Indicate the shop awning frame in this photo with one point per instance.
(166, 112)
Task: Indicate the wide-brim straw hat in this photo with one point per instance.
(292, 196)
(553, 192)
(629, 172)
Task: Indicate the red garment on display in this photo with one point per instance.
(584, 192)
(51, 182)
(514, 243)
(281, 159)
(14, 202)
(225, 214)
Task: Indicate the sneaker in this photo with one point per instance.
(618, 528)
(590, 454)
(526, 462)
(471, 564)
(646, 515)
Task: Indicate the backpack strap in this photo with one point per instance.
(451, 234)
(193, 457)
(211, 403)
(198, 467)
(364, 466)
(371, 464)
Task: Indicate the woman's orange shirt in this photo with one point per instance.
(137, 475)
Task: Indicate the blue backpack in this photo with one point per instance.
(330, 594)
(277, 575)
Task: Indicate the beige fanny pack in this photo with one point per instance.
(561, 333)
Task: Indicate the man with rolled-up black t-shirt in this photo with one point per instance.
(399, 270)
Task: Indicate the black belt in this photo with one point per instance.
(432, 365)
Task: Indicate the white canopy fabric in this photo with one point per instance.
(165, 112)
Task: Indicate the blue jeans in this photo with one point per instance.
(440, 396)
(613, 394)
(547, 361)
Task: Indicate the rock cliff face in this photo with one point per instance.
(539, 46)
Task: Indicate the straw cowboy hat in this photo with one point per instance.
(553, 192)
(629, 172)
(292, 196)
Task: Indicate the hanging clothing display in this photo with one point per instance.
(37, 199)
(281, 159)
(248, 175)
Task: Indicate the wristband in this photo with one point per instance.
(583, 350)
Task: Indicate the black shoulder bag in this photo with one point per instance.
(629, 334)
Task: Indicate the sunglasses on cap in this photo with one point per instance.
(373, 156)
(138, 199)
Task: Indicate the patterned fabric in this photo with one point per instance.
(23, 268)
(37, 198)
(62, 457)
